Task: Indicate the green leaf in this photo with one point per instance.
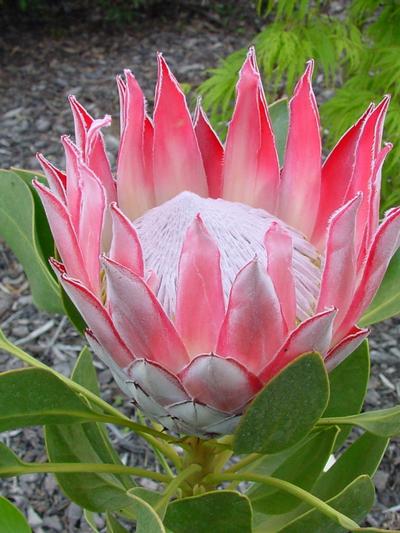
(286, 409)
(17, 223)
(84, 372)
(383, 422)
(11, 518)
(279, 115)
(362, 457)
(32, 396)
(348, 387)
(354, 501)
(87, 443)
(113, 526)
(89, 517)
(387, 300)
(302, 468)
(147, 520)
(217, 512)
(42, 228)
(8, 457)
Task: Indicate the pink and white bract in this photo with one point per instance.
(203, 269)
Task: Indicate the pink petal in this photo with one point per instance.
(63, 233)
(362, 177)
(200, 305)
(251, 167)
(336, 175)
(253, 328)
(118, 373)
(95, 316)
(157, 382)
(90, 143)
(55, 178)
(376, 190)
(93, 205)
(312, 335)
(178, 165)
(339, 271)
(125, 245)
(73, 190)
(96, 157)
(301, 174)
(383, 247)
(135, 185)
(212, 152)
(148, 142)
(345, 347)
(82, 122)
(140, 319)
(279, 246)
(219, 382)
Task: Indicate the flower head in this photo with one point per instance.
(203, 269)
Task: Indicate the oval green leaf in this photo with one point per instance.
(32, 396)
(354, 501)
(17, 227)
(362, 457)
(302, 468)
(147, 520)
(11, 518)
(384, 422)
(217, 512)
(348, 387)
(87, 443)
(286, 409)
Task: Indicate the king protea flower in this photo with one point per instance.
(203, 269)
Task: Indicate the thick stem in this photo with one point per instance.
(175, 484)
(298, 492)
(210, 458)
(251, 458)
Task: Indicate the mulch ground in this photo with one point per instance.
(81, 54)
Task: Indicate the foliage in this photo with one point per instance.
(289, 490)
(358, 54)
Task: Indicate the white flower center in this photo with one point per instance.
(239, 232)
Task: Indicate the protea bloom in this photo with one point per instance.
(202, 270)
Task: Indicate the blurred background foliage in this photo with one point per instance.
(355, 43)
(357, 54)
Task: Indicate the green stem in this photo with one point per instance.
(167, 451)
(175, 484)
(337, 421)
(69, 468)
(242, 463)
(298, 492)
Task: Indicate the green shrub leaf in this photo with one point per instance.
(18, 219)
(147, 520)
(32, 396)
(362, 457)
(383, 422)
(218, 511)
(302, 468)
(11, 518)
(87, 443)
(286, 409)
(348, 387)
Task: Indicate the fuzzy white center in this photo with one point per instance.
(239, 232)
